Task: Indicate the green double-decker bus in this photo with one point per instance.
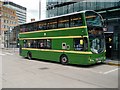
(75, 38)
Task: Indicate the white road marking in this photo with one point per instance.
(111, 71)
(94, 71)
(85, 69)
(1, 54)
(9, 53)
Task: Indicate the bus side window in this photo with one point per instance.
(52, 24)
(31, 27)
(60, 23)
(78, 44)
(35, 43)
(41, 43)
(37, 26)
(81, 44)
(85, 44)
(25, 43)
(75, 21)
(42, 26)
(63, 22)
(45, 44)
(28, 44)
(49, 44)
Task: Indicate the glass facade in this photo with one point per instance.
(116, 42)
(76, 7)
(66, 7)
(70, 8)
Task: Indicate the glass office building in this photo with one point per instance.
(59, 7)
(109, 9)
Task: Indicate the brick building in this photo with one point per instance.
(8, 20)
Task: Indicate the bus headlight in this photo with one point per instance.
(91, 60)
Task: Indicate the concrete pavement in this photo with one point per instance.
(0, 71)
(112, 62)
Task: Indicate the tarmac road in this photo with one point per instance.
(19, 72)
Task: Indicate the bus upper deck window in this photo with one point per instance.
(93, 19)
(75, 20)
(63, 22)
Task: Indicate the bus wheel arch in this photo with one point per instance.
(64, 59)
(29, 55)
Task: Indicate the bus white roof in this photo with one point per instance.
(58, 16)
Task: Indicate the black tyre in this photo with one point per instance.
(64, 59)
(29, 55)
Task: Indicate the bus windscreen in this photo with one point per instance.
(95, 32)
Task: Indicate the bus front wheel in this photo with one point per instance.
(29, 55)
(64, 59)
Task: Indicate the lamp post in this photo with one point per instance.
(8, 37)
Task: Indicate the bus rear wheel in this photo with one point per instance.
(29, 55)
(64, 59)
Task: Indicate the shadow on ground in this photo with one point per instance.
(73, 65)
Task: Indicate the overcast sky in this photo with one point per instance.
(32, 8)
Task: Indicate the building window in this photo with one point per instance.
(84, 5)
(60, 10)
(65, 8)
(76, 7)
(55, 12)
(70, 8)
